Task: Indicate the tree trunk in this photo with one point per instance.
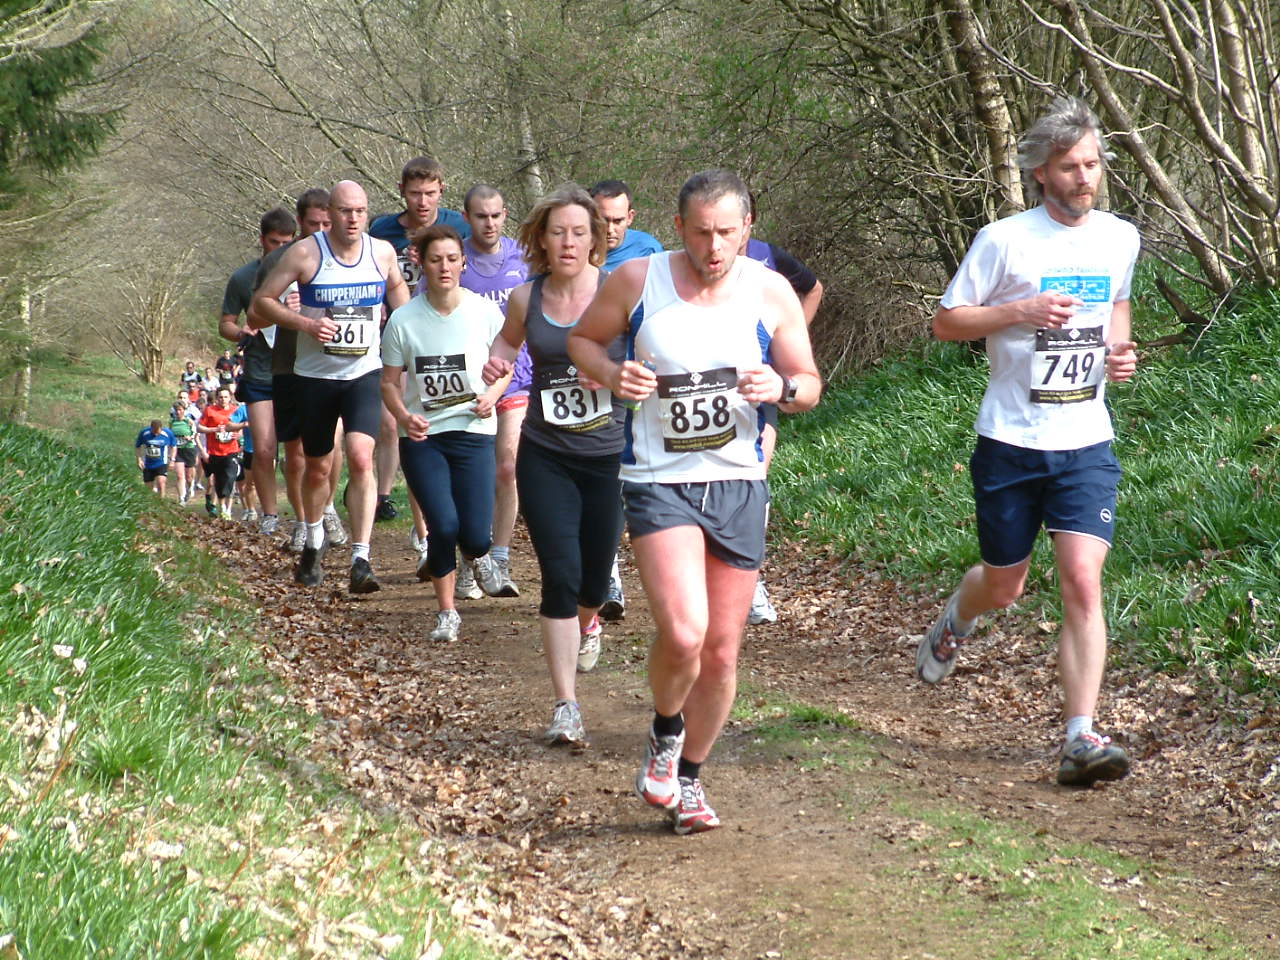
(989, 105)
(527, 167)
(21, 406)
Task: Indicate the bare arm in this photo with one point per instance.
(790, 355)
(392, 387)
(603, 322)
(229, 327)
(397, 290)
(1122, 359)
(1050, 310)
(810, 302)
(298, 265)
(506, 345)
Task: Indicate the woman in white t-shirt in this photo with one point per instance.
(445, 416)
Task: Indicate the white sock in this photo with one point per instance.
(960, 628)
(359, 551)
(315, 535)
(1077, 726)
(614, 573)
(501, 554)
(331, 511)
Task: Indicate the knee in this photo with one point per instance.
(1081, 588)
(1003, 592)
(360, 461)
(506, 472)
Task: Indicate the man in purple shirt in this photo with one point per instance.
(494, 267)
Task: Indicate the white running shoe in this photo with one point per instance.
(270, 522)
(509, 588)
(487, 576)
(936, 654)
(761, 609)
(693, 814)
(447, 624)
(333, 528)
(297, 537)
(466, 588)
(566, 724)
(657, 782)
(589, 646)
(249, 516)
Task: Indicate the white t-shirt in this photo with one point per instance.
(1046, 387)
(443, 356)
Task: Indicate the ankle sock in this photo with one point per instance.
(667, 726)
(501, 554)
(687, 768)
(315, 535)
(359, 551)
(1078, 725)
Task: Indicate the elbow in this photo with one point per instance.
(944, 325)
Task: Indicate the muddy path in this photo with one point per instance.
(835, 840)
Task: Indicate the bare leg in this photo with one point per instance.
(506, 503)
(362, 490)
(1082, 642)
(262, 426)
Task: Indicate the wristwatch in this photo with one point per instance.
(789, 389)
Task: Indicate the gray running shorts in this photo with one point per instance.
(732, 515)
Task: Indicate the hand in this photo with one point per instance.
(1051, 311)
(635, 381)
(416, 426)
(323, 329)
(293, 301)
(483, 406)
(761, 385)
(495, 368)
(1122, 361)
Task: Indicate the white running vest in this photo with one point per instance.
(351, 296)
(696, 427)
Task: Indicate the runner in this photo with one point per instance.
(613, 197)
(222, 441)
(713, 335)
(275, 230)
(446, 416)
(809, 291)
(189, 378)
(567, 462)
(421, 187)
(245, 482)
(1049, 290)
(226, 364)
(183, 429)
(494, 267)
(312, 208)
(154, 448)
(344, 278)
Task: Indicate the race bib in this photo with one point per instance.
(569, 404)
(224, 436)
(356, 330)
(153, 451)
(442, 381)
(412, 272)
(1067, 365)
(696, 409)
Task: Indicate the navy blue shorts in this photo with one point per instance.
(248, 391)
(1017, 491)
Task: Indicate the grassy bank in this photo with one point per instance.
(154, 799)
(880, 470)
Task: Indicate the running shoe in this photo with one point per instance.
(386, 510)
(656, 782)
(310, 570)
(589, 646)
(249, 516)
(209, 507)
(333, 529)
(693, 814)
(362, 578)
(566, 724)
(615, 606)
(936, 655)
(761, 608)
(1089, 758)
(486, 575)
(198, 486)
(424, 566)
(466, 588)
(447, 624)
(270, 523)
(297, 537)
(509, 588)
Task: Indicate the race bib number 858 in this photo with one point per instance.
(696, 409)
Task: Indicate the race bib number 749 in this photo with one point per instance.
(1067, 365)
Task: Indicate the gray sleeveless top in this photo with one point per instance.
(563, 414)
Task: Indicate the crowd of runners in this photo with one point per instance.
(581, 376)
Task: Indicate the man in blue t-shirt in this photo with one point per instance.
(154, 448)
(613, 197)
(422, 187)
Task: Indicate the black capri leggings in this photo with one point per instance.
(224, 471)
(573, 509)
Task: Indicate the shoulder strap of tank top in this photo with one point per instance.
(534, 309)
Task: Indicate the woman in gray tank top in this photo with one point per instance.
(567, 462)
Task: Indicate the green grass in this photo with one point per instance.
(880, 470)
(148, 787)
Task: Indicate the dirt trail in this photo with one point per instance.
(820, 855)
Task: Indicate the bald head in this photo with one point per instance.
(348, 213)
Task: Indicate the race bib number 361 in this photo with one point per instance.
(1067, 366)
(697, 409)
(355, 333)
(442, 381)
